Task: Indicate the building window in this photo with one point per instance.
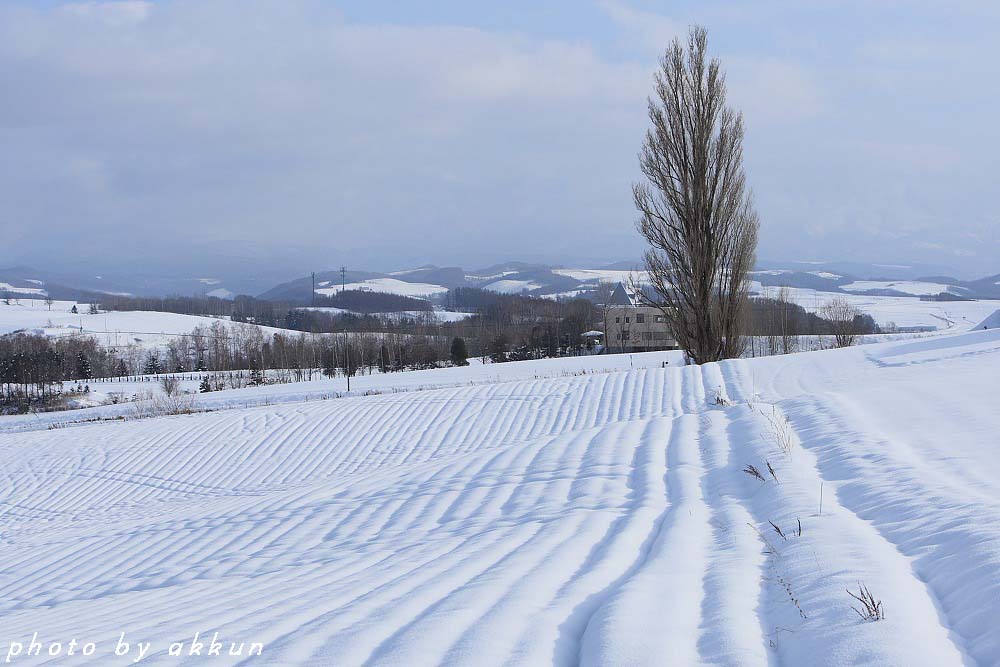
(617, 320)
(640, 318)
(627, 319)
(625, 335)
(660, 318)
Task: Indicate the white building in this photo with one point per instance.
(633, 326)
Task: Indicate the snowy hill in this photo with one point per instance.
(433, 282)
(146, 329)
(904, 311)
(886, 301)
(603, 518)
(539, 280)
(387, 285)
(914, 287)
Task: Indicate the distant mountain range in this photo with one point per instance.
(82, 286)
(433, 282)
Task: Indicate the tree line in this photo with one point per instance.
(776, 323)
(33, 367)
(519, 326)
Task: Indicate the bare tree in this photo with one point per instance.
(842, 317)
(171, 385)
(602, 296)
(49, 302)
(788, 321)
(695, 211)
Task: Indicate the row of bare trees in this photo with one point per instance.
(777, 323)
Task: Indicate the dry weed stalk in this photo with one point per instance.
(873, 610)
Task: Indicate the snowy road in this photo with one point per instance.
(600, 519)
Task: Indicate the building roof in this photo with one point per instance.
(624, 296)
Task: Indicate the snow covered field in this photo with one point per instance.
(903, 310)
(604, 275)
(429, 315)
(387, 285)
(511, 286)
(915, 287)
(148, 329)
(475, 373)
(561, 519)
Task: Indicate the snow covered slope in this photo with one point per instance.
(595, 519)
(387, 285)
(914, 287)
(148, 329)
(904, 311)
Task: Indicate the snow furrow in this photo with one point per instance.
(599, 519)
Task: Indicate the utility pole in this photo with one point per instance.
(343, 278)
(312, 298)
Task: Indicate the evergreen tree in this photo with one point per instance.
(205, 386)
(74, 309)
(152, 365)
(498, 349)
(550, 342)
(93, 309)
(256, 375)
(329, 363)
(121, 369)
(459, 353)
(83, 370)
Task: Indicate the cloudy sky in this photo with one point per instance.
(391, 134)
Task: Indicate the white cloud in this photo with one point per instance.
(651, 30)
(199, 125)
(120, 13)
(234, 118)
(87, 172)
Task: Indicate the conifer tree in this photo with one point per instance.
(459, 352)
(153, 365)
(83, 370)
